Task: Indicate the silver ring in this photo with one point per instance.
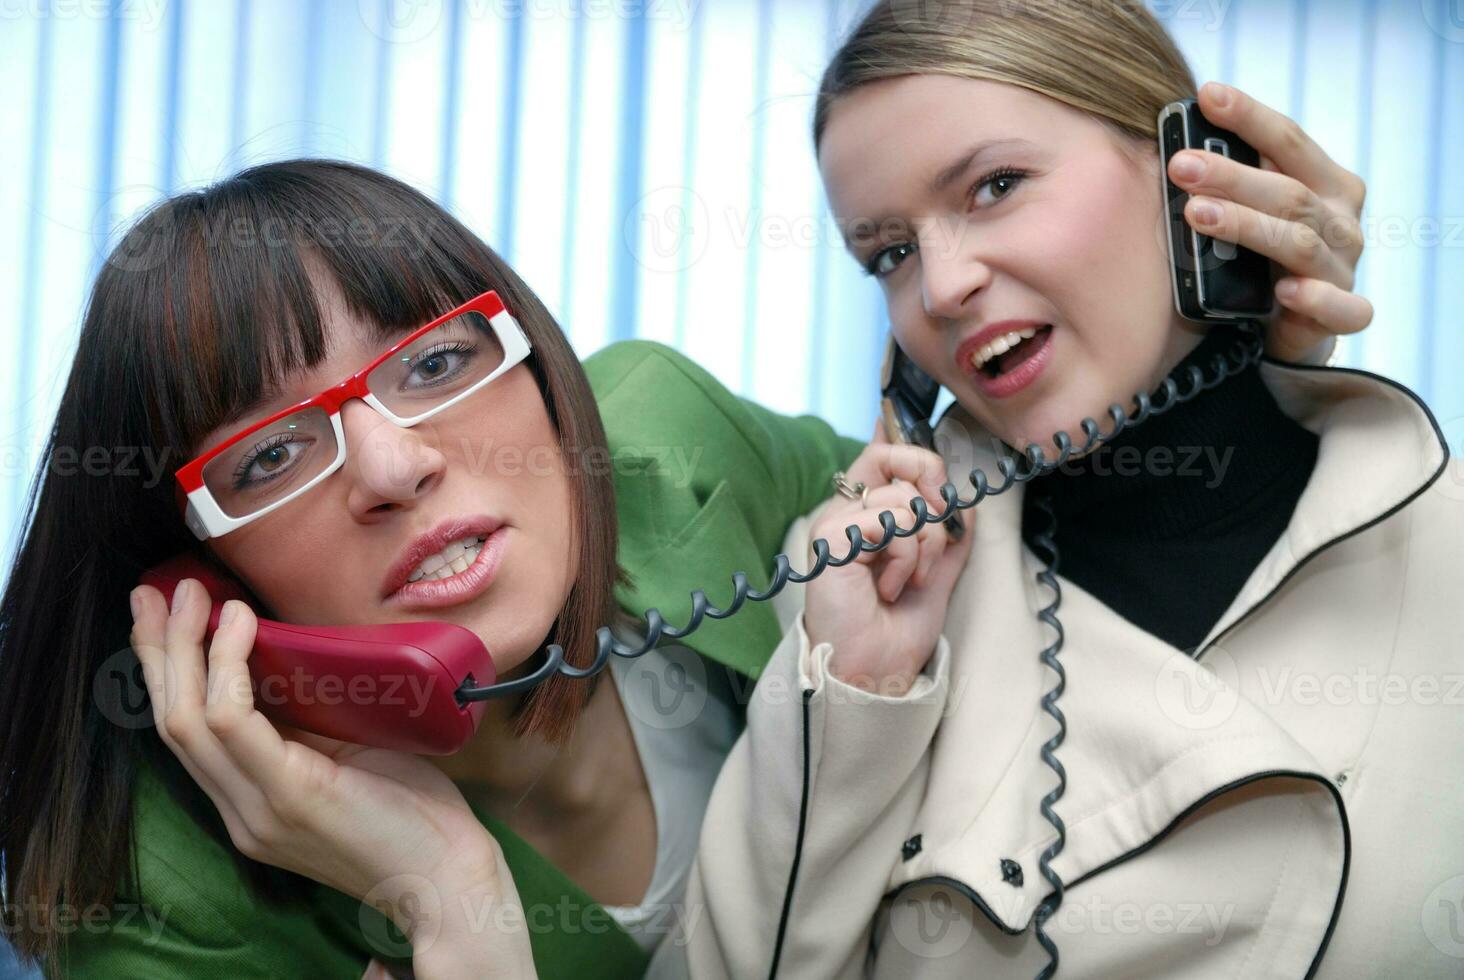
(854, 491)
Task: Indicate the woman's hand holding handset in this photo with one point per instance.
(1301, 209)
(382, 826)
(884, 612)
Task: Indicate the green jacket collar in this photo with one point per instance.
(710, 540)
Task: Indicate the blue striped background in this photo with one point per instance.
(645, 163)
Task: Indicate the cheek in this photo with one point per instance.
(1096, 253)
(1102, 219)
(290, 566)
(1131, 253)
(529, 480)
(1083, 247)
(1096, 261)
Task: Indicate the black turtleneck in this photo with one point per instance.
(1165, 523)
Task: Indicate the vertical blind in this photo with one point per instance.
(645, 164)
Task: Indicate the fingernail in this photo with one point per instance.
(227, 615)
(1286, 289)
(1221, 94)
(179, 593)
(135, 603)
(1207, 213)
(1188, 168)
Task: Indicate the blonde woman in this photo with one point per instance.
(1230, 586)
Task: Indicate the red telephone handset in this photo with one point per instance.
(391, 686)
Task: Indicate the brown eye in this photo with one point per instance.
(442, 361)
(886, 260)
(272, 459)
(1006, 178)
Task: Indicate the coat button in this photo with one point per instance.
(910, 848)
(1011, 872)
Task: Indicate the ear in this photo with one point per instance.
(1142, 153)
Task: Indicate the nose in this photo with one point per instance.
(390, 467)
(951, 274)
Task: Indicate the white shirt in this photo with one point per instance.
(684, 716)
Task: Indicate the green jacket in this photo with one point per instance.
(723, 505)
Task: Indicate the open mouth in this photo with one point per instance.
(452, 560)
(1004, 354)
(461, 571)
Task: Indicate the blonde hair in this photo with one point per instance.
(1110, 59)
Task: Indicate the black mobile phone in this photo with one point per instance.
(1215, 281)
(907, 401)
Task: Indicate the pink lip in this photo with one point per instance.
(1013, 381)
(458, 588)
(451, 529)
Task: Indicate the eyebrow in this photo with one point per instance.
(953, 172)
(272, 390)
(269, 393)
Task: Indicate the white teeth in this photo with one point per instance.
(1000, 345)
(455, 557)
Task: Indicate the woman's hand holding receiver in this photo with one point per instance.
(1301, 209)
(384, 827)
(883, 612)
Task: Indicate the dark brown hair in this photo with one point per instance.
(206, 299)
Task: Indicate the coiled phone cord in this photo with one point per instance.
(1046, 539)
(1223, 366)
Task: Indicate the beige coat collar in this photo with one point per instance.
(1141, 752)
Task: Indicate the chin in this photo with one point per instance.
(1064, 414)
(513, 646)
(1038, 426)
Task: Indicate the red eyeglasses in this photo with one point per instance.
(270, 463)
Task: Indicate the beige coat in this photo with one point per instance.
(1288, 803)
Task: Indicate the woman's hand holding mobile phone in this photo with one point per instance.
(1301, 210)
(386, 827)
(884, 612)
